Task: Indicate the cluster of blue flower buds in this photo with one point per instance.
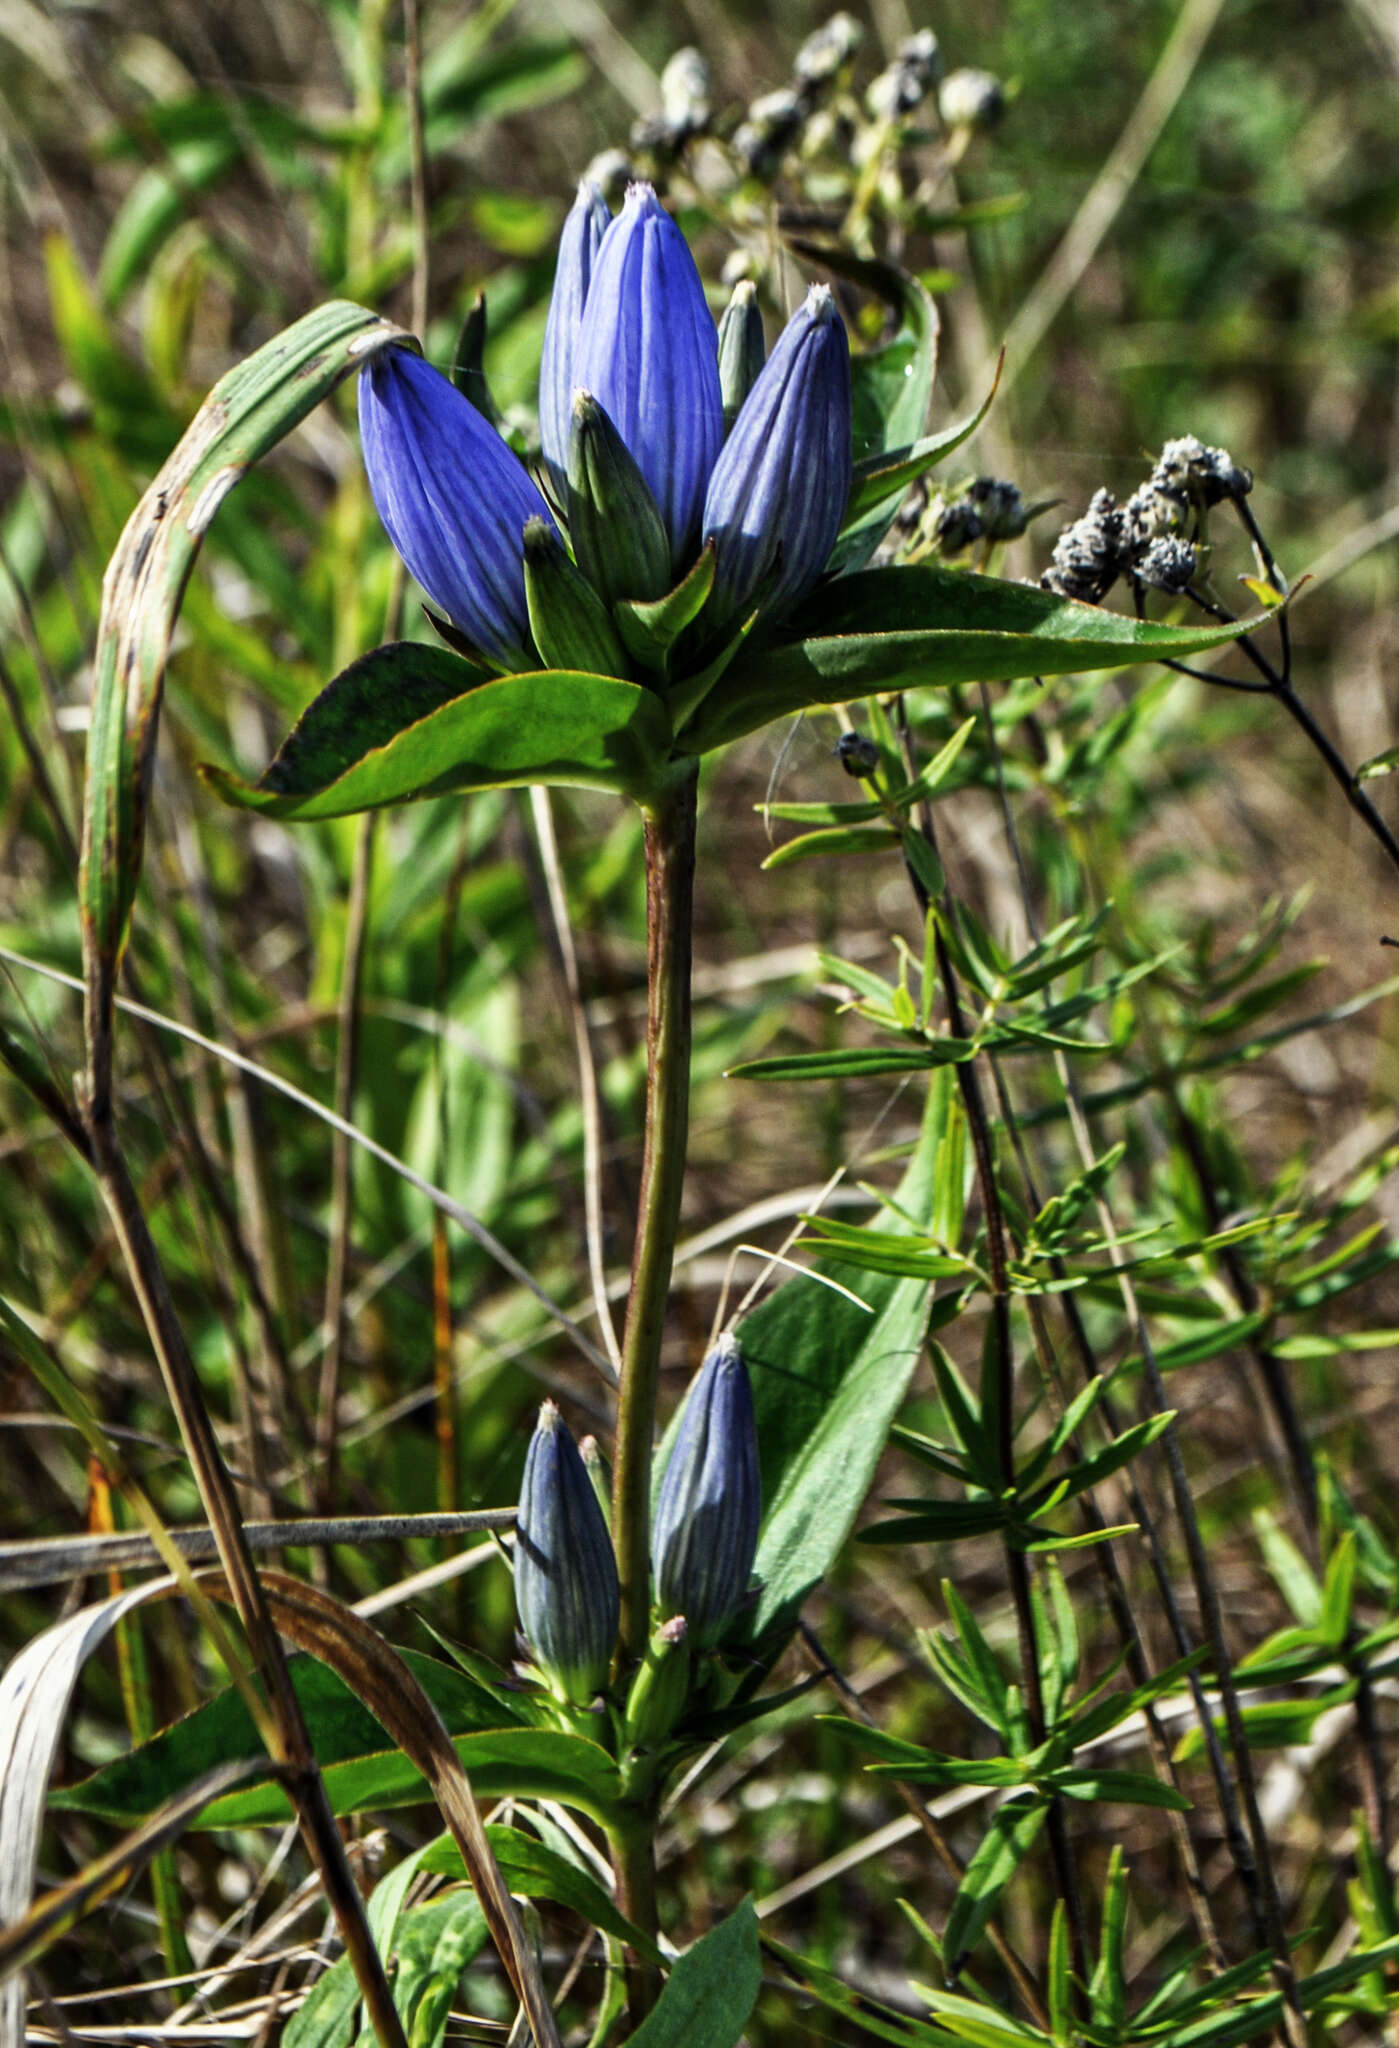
(704, 1537)
(669, 447)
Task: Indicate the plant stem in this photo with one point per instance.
(670, 889)
(634, 1864)
(670, 878)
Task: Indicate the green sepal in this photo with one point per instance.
(568, 619)
(617, 532)
(742, 349)
(660, 1688)
(650, 630)
(469, 362)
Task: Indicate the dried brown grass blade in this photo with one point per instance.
(373, 1670)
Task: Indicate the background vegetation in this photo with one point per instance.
(178, 184)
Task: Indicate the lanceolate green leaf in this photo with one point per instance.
(249, 410)
(411, 721)
(1009, 1839)
(711, 1991)
(891, 385)
(361, 1771)
(828, 1379)
(502, 1763)
(880, 483)
(340, 1727)
(898, 628)
(535, 1871)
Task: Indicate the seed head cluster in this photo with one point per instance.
(816, 112)
(1152, 536)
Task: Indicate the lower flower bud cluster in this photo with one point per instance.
(703, 1541)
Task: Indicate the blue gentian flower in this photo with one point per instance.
(779, 489)
(453, 498)
(587, 222)
(705, 1533)
(566, 1590)
(648, 351)
(633, 407)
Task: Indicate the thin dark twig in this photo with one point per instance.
(1279, 686)
(1205, 675)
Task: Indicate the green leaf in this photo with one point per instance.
(891, 385)
(941, 1521)
(1111, 1458)
(1012, 1834)
(350, 1744)
(445, 729)
(828, 1379)
(525, 1763)
(880, 478)
(1295, 1579)
(860, 2009)
(905, 628)
(1130, 1788)
(708, 1997)
(1229, 2028)
(923, 863)
(1256, 1002)
(854, 1063)
(1270, 1724)
(1338, 1591)
(535, 1871)
(328, 2017)
(436, 1942)
(249, 411)
(1108, 1990)
(650, 630)
(1378, 764)
(133, 1786)
(833, 839)
(983, 2025)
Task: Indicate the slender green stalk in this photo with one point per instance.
(670, 879)
(634, 1865)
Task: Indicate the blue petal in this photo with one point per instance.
(780, 487)
(452, 497)
(587, 222)
(566, 1590)
(648, 351)
(709, 1504)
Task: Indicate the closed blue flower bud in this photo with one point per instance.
(705, 1533)
(566, 1591)
(583, 231)
(780, 487)
(648, 352)
(453, 499)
